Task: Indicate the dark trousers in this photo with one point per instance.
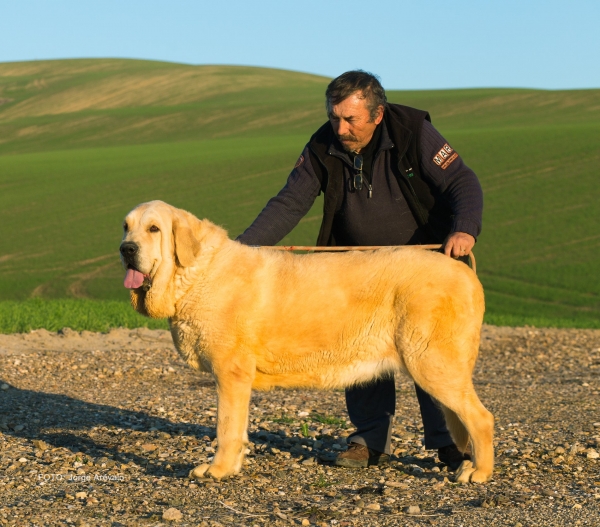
(371, 408)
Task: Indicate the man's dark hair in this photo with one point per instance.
(354, 81)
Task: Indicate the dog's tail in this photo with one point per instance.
(457, 429)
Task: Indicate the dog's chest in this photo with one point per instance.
(190, 344)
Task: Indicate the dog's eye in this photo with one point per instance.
(153, 228)
(125, 226)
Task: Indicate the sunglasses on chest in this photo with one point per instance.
(358, 180)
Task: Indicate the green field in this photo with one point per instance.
(84, 141)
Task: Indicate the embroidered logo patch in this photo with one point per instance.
(299, 162)
(445, 156)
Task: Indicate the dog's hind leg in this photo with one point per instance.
(233, 393)
(466, 417)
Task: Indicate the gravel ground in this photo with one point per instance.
(102, 429)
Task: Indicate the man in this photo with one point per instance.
(388, 178)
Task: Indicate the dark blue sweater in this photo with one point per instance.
(385, 218)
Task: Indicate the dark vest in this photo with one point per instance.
(404, 124)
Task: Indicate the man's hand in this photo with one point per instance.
(458, 244)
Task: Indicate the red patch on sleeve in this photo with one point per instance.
(445, 157)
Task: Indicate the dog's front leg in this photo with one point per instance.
(234, 387)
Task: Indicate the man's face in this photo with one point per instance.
(352, 124)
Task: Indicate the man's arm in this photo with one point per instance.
(283, 212)
(458, 184)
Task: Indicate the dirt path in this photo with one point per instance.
(102, 429)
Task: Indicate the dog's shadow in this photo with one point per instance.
(77, 422)
(73, 424)
(73, 415)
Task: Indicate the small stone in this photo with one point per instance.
(305, 522)
(559, 450)
(81, 495)
(18, 428)
(396, 485)
(37, 443)
(309, 461)
(413, 509)
(172, 515)
(23, 460)
(4, 386)
(577, 506)
(149, 447)
(592, 454)
(374, 506)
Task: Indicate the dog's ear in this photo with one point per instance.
(186, 245)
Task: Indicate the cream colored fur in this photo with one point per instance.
(259, 318)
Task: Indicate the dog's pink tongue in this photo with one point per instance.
(133, 279)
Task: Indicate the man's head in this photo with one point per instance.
(355, 104)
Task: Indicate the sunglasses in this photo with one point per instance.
(358, 180)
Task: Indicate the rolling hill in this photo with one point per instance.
(83, 141)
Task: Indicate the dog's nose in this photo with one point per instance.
(128, 249)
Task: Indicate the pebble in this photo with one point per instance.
(396, 484)
(374, 506)
(592, 454)
(4, 386)
(413, 509)
(172, 515)
(40, 444)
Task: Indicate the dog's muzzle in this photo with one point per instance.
(129, 251)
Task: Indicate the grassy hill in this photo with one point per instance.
(83, 141)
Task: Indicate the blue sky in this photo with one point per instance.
(423, 44)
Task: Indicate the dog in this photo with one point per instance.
(257, 318)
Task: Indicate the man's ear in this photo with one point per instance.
(186, 245)
(379, 117)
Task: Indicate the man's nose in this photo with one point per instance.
(341, 127)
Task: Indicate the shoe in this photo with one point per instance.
(359, 456)
(452, 457)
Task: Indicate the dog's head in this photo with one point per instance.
(158, 242)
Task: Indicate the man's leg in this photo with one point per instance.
(436, 433)
(434, 424)
(371, 408)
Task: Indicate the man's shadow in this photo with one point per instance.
(62, 411)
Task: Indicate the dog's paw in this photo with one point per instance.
(468, 473)
(220, 472)
(199, 472)
(210, 471)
